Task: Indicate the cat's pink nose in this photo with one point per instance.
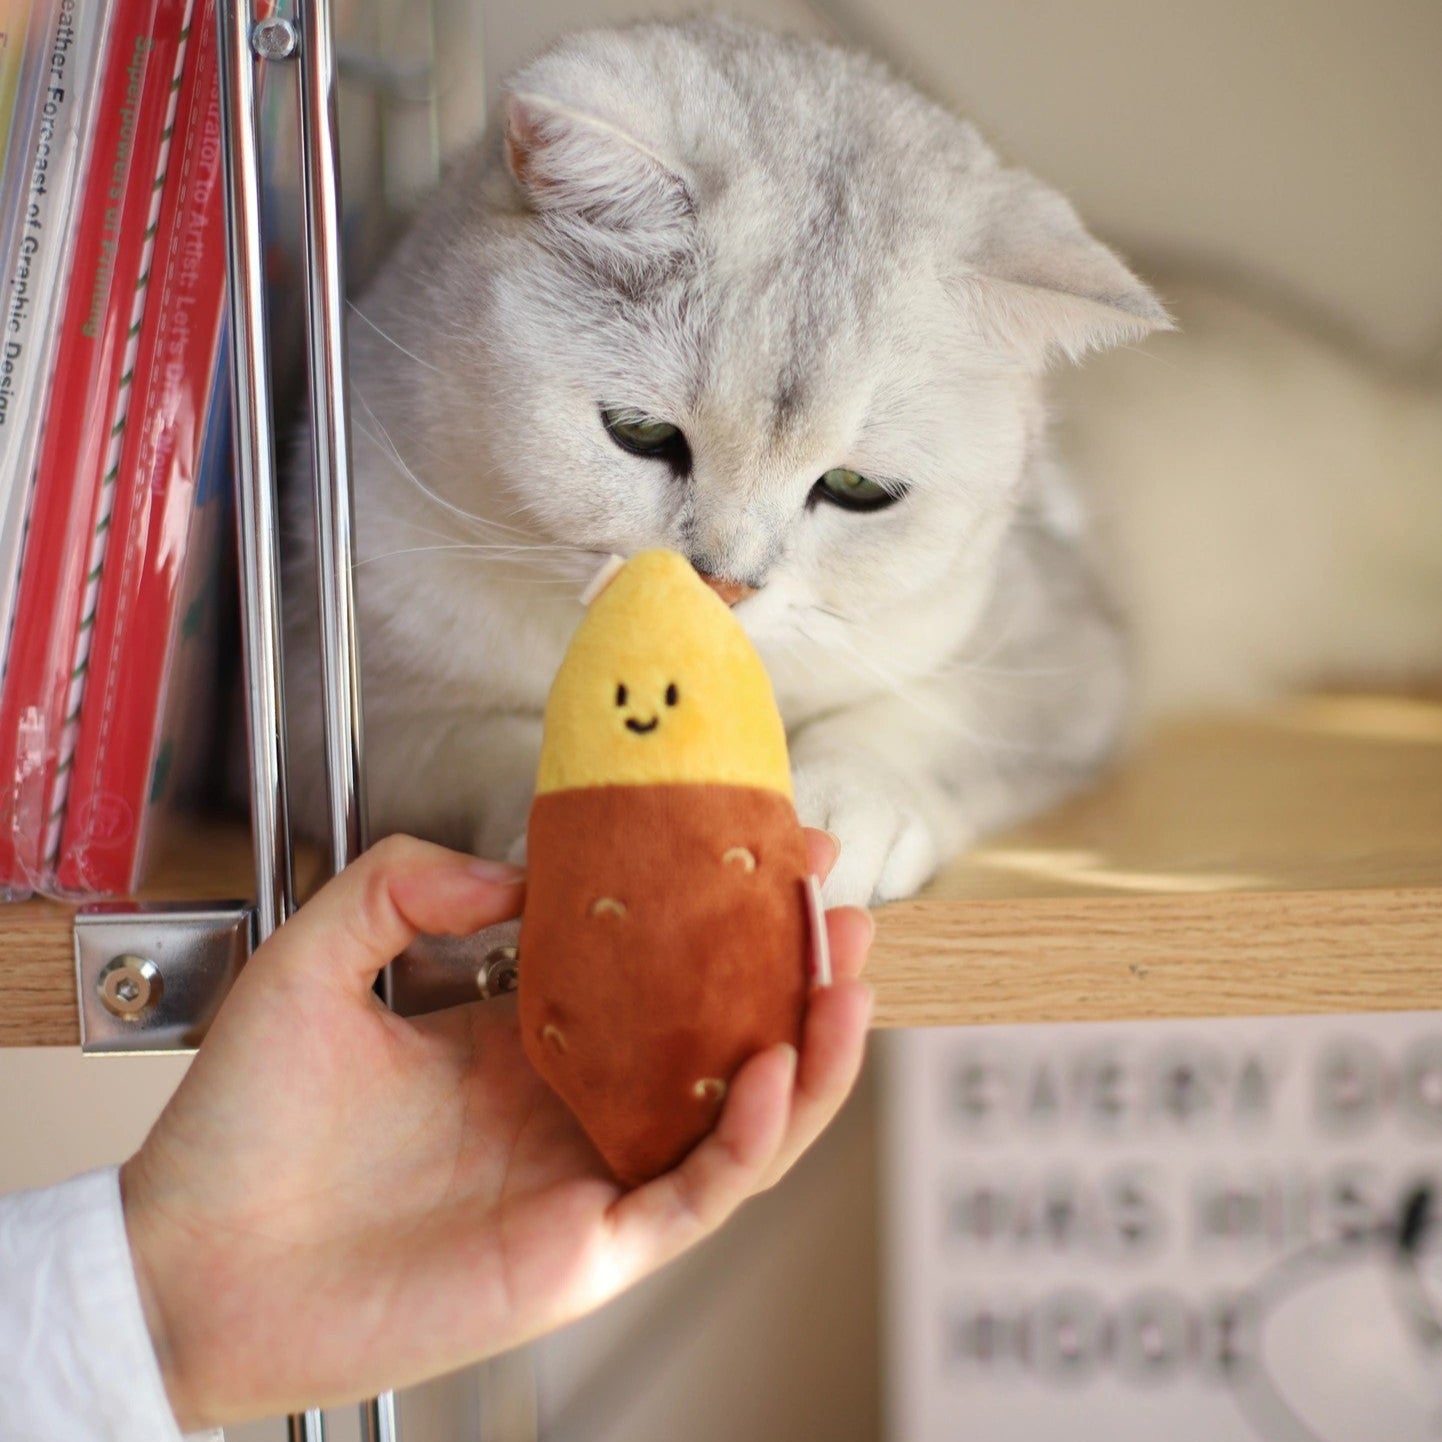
(730, 591)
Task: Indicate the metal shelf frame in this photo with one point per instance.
(252, 34)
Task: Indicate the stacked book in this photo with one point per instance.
(114, 446)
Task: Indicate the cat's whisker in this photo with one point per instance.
(400, 523)
(391, 340)
(903, 685)
(381, 437)
(904, 688)
(988, 748)
(375, 519)
(852, 657)
(1019, 689)
(570, 566)
(421, 439)
(490, 552)
(407, 551)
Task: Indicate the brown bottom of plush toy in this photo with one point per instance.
(665, 940)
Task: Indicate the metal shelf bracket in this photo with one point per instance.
(151, 978)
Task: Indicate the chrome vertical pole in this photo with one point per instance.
(330, 434)
(330, 476)
(256, 520)
(255, 470)
(378, 1419)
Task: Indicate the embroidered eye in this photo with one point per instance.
(854, 492)
(620, 695)
(645, 436)
(672, 694)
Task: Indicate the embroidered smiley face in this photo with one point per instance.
(631, 719)
(660, 686)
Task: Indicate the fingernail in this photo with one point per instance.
(869, 919)
(870, 1004)
(835, 841)
(792, 1056)
(500, 873)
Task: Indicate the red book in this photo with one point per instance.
(155, 499)
(110, 246)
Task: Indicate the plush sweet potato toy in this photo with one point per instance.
(670, 928)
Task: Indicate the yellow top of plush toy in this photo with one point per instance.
(661, 685)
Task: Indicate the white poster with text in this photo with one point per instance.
(1166, 1232)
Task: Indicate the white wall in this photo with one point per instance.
(1297, 140)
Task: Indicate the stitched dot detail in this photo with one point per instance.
(608, 906)
(554, 1038)
(739, 856)
(709, 1089)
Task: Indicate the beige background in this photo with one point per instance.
(1297, 143)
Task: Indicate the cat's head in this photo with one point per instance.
(756, 299)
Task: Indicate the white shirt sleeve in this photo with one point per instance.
(75, 1356)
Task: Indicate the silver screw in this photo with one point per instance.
(274, 38)
(130, 986)
(498, 973)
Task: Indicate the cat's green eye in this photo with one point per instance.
(644, 436)
(854, 492)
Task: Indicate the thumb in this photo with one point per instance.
(362, 919)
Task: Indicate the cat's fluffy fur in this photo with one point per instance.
(783, 250)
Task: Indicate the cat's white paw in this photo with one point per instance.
(888, 849)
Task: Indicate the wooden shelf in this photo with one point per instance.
(1283, 862)
(198, 861)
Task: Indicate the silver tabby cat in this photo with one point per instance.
(755, 299)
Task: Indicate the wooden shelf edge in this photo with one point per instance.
(1217, 954)
(39, 962)
(1032, 959)
(200, 859)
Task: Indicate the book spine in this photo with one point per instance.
(155, 497)
(111, 247)
(32, 66)
(45, 157)
(89, 455)
(39, 263)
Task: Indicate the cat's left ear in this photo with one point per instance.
(587, 170)
(1036, 285)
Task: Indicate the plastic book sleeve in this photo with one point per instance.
(137, 619)
(113, 242)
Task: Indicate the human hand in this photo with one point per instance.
(338, 1200)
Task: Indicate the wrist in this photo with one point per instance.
(150, 1284)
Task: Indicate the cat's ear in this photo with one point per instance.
(586, 170)
(1035, 285)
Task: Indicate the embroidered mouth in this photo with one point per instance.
(642, 727)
